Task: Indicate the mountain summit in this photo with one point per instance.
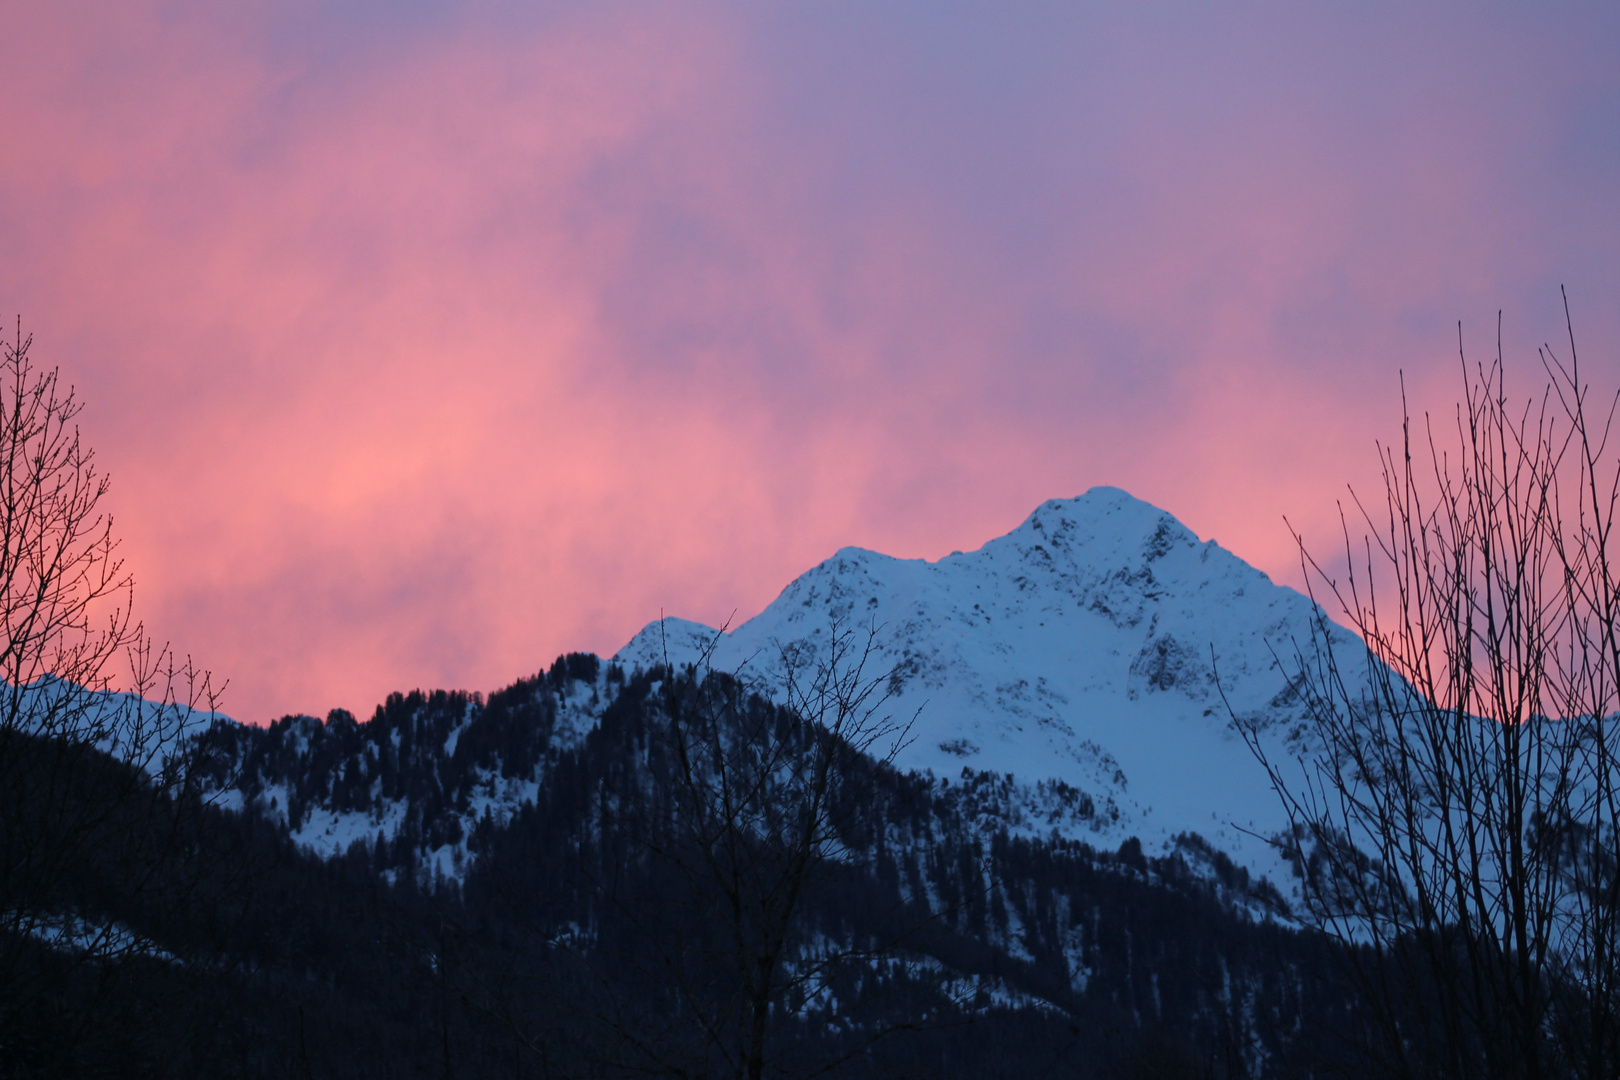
(1062, 678)
(1071, 854)
(1081, 647)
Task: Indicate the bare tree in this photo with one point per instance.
(749, 802)
(723, 913)
(93, 757)
(767, 801)
(1456, 824)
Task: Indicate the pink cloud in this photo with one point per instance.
(421, 360)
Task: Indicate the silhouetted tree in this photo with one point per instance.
(767, 803)
(722, 853)
(1460, 811)
(96, 815)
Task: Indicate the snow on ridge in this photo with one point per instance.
(136, 730)
(679, 641)
(266, 765)
(1082, 647)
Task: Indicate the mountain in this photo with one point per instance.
(579, 874)
(1073, 660)
(1082, 647)
(609, 924)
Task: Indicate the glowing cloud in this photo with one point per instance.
(423, 345)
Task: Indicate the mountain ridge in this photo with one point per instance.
(1082, 646)
(1071, 662)
(1057, 851)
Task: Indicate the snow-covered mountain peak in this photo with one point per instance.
(1082, 646)
(1107, 534)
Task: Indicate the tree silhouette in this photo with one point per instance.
(97, 811)
(1460, 813)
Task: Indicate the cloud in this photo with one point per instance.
(424, 347)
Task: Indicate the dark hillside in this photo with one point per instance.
(583, 937)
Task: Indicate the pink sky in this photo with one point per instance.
(426, 341)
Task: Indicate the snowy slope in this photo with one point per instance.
(442, 749)
(133, 729)
(1081, 646)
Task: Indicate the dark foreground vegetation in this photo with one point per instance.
(590, 936)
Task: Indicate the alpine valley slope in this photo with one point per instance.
(1081, 647)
